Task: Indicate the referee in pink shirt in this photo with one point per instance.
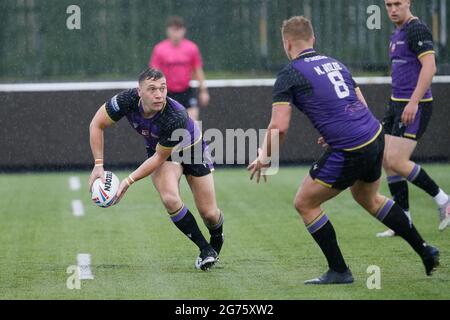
(180, 60)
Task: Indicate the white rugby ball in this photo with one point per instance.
(103, 194)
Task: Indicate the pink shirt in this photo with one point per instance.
(176, 62)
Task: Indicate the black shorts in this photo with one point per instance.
(199, 166)
(340, 169)
(187, 98)
(393, 125)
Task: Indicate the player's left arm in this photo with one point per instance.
(163, 150)
(144, 170)
(420, 42)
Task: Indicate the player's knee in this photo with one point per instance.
(209, 214)
(370, 204)
(172, 202)
(392, 162)
(301, 205)
(387, 162)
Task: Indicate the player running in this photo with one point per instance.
(413, 66)
(167, 129)
(323, 89)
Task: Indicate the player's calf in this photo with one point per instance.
(393, 216)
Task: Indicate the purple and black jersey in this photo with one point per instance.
(162, 128)
(408, 44)
(324, 90)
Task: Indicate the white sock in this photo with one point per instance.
(441, 198)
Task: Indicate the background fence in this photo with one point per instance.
(49, 129)
(117, 36)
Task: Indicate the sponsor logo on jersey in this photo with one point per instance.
(114, 103)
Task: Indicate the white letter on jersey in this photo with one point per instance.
(374, 21)
(319, 71)
(74, 20)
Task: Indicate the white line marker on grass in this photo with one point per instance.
(77, 208)
(84, 265)
(74, 183)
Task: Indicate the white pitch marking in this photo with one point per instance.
(84, 266)
(74, 183)
(77, 208)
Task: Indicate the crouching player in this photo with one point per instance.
(157, 118)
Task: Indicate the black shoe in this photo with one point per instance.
(206, 259)
(430, 259)
(216, 242)
(333, 277)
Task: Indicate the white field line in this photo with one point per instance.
(84, 266)
(74, 183)
(77, 208)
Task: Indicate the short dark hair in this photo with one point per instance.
(175, 21)
(150, 73)
(298, 28)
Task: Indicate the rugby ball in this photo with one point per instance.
(103, 194)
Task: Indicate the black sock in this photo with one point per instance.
(399, 191)
(323, 233)
(185, 221)
(420, 178)
(393, 216)
(216, 230)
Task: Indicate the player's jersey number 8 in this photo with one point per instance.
(338, 81)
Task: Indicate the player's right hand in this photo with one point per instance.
(256, 168)
(97, 172)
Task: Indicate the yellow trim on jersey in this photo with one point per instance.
(275, 104)
(425, 53)
(407, 100)
(409, 135)
(195, 142)
(163, 147)
(323, 183)
(103, 107)
(368, 142)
